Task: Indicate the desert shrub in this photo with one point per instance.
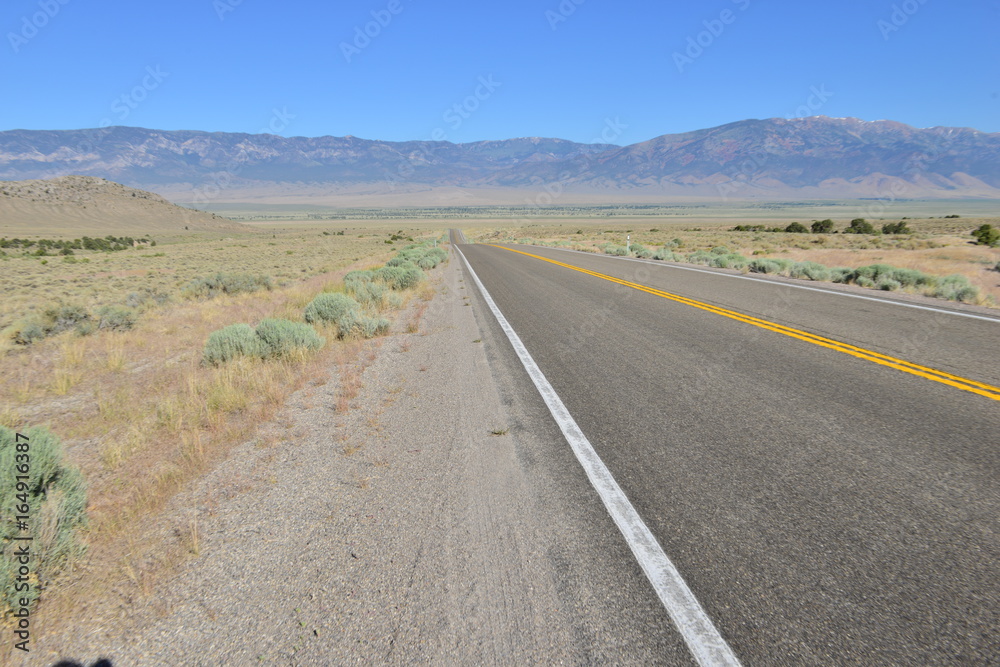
(954, 288)
(702, 257)
(27, 330)
(667, 255)
(53, 498)
(911, 277)
(226, 283)
(614, 249)
(864, 281)
(371, 295)
(641, 251)
(404, 276)
(283, 337)
(986, 235)
(116, 318)
(841, 274)
(331, 307)
(822, 226)
(65, 317)
(888, 284)
(896, 228)
(732, 260)
(369, 327)
(358, 276)
(236, 340)
(720, 250)
(769, 265)
(809, 271)
(797, 228)
(860, 226)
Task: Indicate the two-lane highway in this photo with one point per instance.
(822, 470)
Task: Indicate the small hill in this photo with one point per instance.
(85, 204)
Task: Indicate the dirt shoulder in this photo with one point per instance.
(440, 520)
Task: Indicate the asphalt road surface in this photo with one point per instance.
(825, 504)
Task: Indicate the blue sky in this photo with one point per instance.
(629, 70)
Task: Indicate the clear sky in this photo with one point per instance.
(466, 70)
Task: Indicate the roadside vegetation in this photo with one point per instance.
(146, 398)
(932, 257)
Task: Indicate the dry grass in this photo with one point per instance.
(939, 246)
(142, 418)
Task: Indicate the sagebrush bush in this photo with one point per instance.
(284, 337)
(810, 271)
(331, 307)
(955, 288)
(65, 317)
(614, 249)
(115, 318)
(370, 295)
(236, 340)
(226, 283)
(888, 284)
(55, 499)
(403, 276)
(765, 266)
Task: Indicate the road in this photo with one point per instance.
(829, 495)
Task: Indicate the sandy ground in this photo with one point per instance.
(403, 531)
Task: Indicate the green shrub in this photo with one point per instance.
(283, 337)
(733, 260)
(116, 318)
(368, 294)
(864, 281)
(986, 235)
(769, 265)
(720, 250)
(55, 499)
(226, 283)
(702, 257)
(358, 276)
(65, 317)
(331, 307)
(841, 274)
(896, 228)
(27, 330)
(641, 251)
(797, 228)
(368, 327)
(860, 226)
(403, 276)
(955, 288)
(809, 271)
(233, 341)
(822, 226)
(667, 255)
(888, 284)
(614, 249)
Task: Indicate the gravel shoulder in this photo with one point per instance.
(441, 520)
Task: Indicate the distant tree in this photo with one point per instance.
(822, 226)
(796, 228)
(987, 235)
(860, 226)
(896, 228)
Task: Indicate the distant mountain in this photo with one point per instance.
(89, 205)
(774, 158)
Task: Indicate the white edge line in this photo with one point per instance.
(701, 636)
(670, 265)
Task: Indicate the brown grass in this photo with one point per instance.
(142, 418)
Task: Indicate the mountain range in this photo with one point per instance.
(816, 157)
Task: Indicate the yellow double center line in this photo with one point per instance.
(956, 381)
